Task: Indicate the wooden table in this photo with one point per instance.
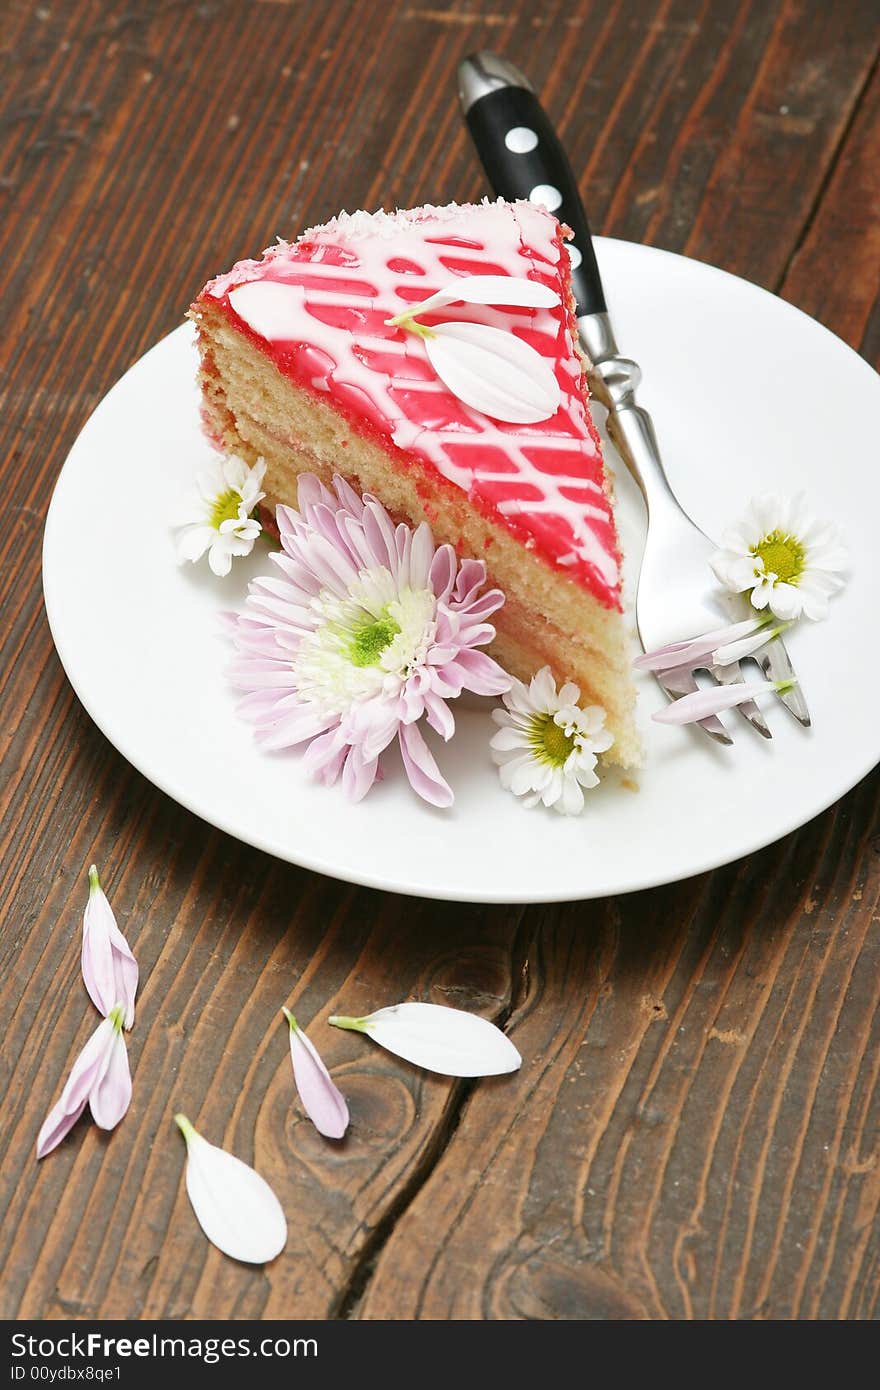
(694, 1132)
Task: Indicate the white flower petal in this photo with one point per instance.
(601, 741)
(193, 541)
(525, 765)
(210, 480)
(730, 652)
(508, 739)
(235, 1207)
(197, 528)
(509, 765)
(587, 775)
(494, 372)
(785, 601)
(268, 307)
(593, 722)
(569, 694)
(488, 289)
(814, 607)
(525, 775)
(449, 1041)
(542, 691)
(766, 514)
(235, 471)
(220, 557)
(571, 802)
(818, 573)
(735, 572)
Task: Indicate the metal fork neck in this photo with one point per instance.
(615, 380)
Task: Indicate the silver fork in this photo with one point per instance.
(523, 158)
(677, 597)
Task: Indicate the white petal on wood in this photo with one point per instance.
(449, 1041)
(490, 289)
(494, 372)
(235, 1207)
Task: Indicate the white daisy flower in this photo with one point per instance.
(217, 517)
(783, 558)
(546, 745)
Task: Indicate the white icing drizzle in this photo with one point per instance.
(279, 312)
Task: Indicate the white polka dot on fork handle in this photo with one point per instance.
(546, 194)
(520, 140)
(574, 255)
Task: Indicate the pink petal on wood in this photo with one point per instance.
(322, 1100)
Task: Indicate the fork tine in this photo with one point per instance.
(732, 675)
(683, 682)
(776, 665)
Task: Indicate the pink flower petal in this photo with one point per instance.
(111, 1094)
(471, 577)
(323, 752)
(311, 492)
(379, 531)
(109, 969)
(85, 1073)
(348, 497)
(481, 606)
(687, 653)
(477, 672)
(439, 716)
(297, 725)
(322, 1101)
(358, 774)
(373, 724)
(421, 767)
(702, 703)
(351, 547)
(57, 1125)
(421, 556)
(443, 568)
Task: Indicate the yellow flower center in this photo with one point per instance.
(550, 742)
(369, 642)
(225, 507)
(782, 555)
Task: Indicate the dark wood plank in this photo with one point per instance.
(835, 272)
(693, 1131)
(106, 1225)
(691, 1134)
(772, 166)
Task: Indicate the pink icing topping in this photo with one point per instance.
(318, 307)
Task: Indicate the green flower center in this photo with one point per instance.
(225, 507)
(370, 640)
(782, 555)
(550, 742)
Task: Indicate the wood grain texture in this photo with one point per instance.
(694, 1132)
(689, 1135)
(835, 272)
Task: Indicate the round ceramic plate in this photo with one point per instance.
(748, 395)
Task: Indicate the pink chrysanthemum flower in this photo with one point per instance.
(367, 629)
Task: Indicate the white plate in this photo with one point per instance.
(748, 394)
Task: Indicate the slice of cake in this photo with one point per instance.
(299, 364)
